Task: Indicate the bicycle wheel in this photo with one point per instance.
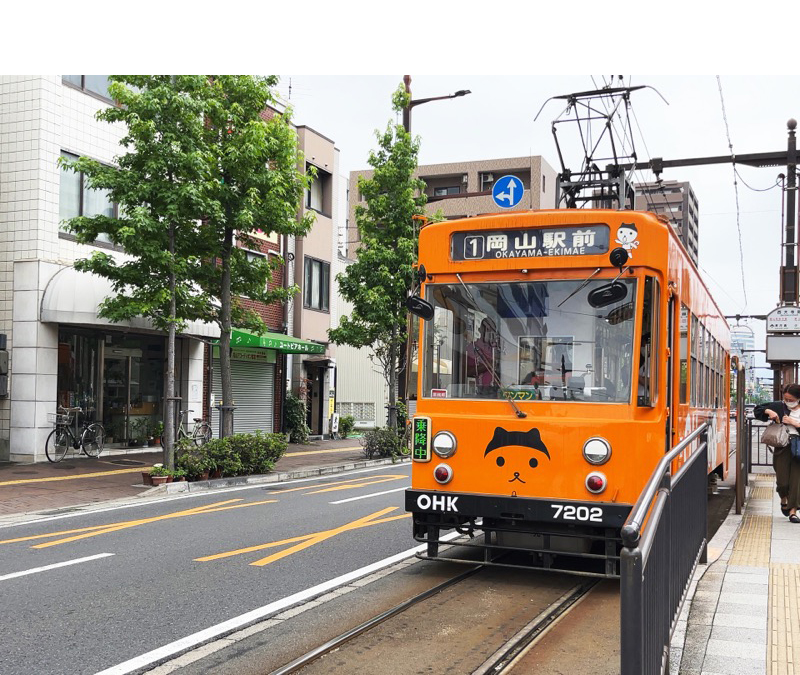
(92, 439)
(56, 445)
(201, 434)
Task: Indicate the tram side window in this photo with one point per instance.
(684, 383)
(648, 350)
(693, 380)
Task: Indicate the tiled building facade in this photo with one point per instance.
(61, 352)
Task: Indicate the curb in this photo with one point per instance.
(237, 481)
(168, 489)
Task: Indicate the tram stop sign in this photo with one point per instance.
(507, 192)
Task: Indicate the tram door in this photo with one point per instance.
(672, 409)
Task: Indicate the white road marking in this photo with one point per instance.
(374, 494)
(35, 570)
(190, 641)
(204, 493)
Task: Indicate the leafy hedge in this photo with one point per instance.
(346, 425)
(382, 442)
(237, 455)
(296, 419)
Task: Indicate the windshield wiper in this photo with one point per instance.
(579, 287)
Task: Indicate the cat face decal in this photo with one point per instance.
(505, 446)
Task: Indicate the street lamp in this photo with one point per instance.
(420, 101)
(406, 376)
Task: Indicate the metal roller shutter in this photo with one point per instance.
(253, 395)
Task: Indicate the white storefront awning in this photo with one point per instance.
(73, 297)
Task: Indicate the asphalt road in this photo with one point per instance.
(176, 567)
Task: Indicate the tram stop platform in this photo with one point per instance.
(743, 612)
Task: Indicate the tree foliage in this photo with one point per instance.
(378, 282)
(205, 168)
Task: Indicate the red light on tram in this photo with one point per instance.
(443, 473)
(595, 482)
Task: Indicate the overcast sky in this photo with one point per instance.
(345, 58)
(497, 120)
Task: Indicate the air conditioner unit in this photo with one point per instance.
(464, 178)
(488, 178)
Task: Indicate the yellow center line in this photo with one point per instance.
(307, 540)
(96, 474)
(352, 482)
(113, 527)
(322, 452)
(350, 487)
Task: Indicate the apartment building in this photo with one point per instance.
(677, 201)
(464, 189)
(61, 353)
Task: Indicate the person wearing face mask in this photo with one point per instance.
(787, 470)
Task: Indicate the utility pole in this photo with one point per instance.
(403, 381)
(784, 371)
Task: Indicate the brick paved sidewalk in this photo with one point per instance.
(82, 480)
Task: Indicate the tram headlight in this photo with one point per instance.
(444, 444)
(597, 450)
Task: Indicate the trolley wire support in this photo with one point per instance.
(601, 181)
(664, 539)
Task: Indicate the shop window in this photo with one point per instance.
(77, 378)
(77, 199)
(317, 284)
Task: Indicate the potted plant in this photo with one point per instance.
(158, 432)
(160, 474)
(193, 463)
(179, 475)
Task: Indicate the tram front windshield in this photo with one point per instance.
(539, 340)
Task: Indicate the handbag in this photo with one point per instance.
(795, 443)
(776, 435)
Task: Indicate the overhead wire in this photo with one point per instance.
(735, 187)
(651, 205)
(771, 187)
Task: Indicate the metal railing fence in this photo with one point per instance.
(658, 560)
(758, 454)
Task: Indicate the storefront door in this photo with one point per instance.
(133, 386)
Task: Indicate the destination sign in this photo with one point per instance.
(530, 243)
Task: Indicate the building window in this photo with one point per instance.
(443, 191)
(544, 183)
(76, 199)
(314, 195)
(93, 84)
(317, 283)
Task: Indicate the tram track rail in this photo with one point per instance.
(340, 640)
(501, 662)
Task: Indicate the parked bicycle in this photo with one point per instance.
(199, 434)
(89, 438)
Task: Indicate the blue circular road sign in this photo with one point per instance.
(507, 192)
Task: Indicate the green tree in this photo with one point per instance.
(378, 283)
(203, 171)
(255, 181)
(157, 187)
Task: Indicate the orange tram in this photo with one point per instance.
(562, 354)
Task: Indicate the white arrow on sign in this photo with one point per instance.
(510, 194)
